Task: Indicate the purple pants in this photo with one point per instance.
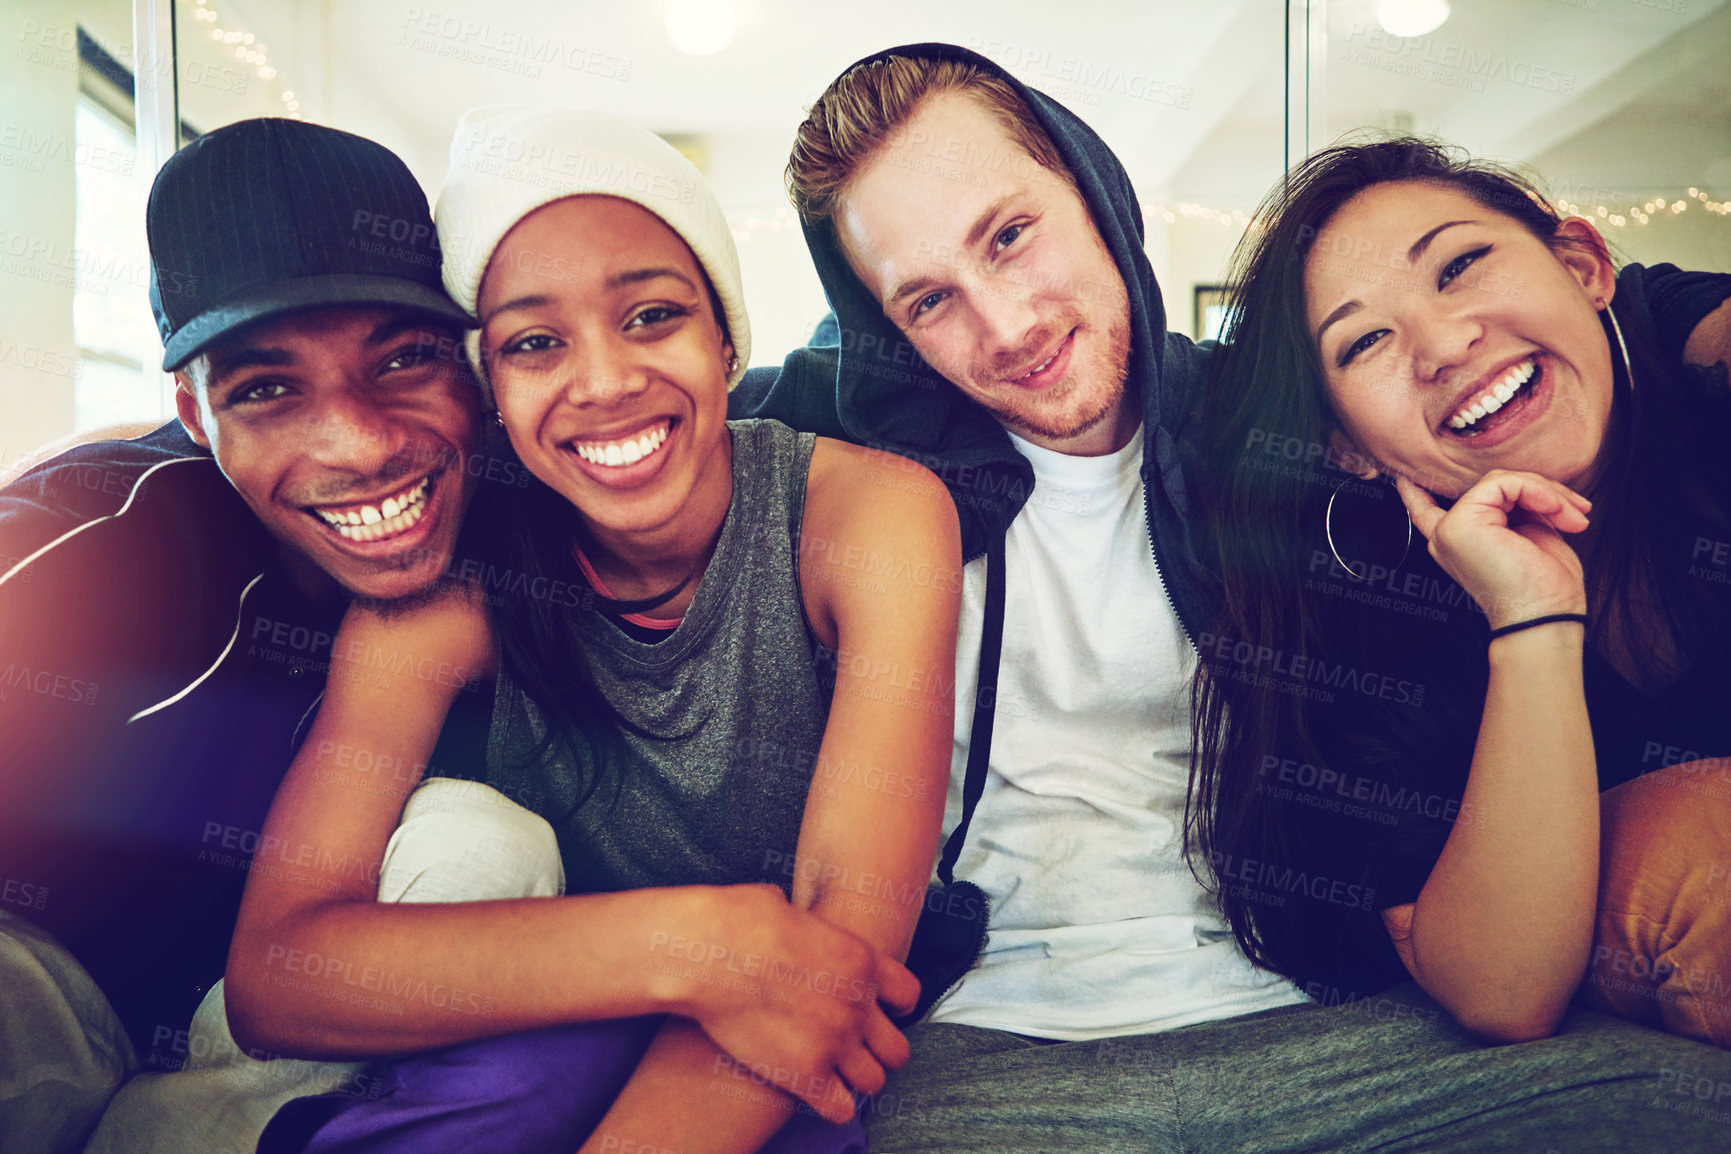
(538, 1092)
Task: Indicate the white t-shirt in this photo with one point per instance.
(1097, 925)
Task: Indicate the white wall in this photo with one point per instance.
(38, 90)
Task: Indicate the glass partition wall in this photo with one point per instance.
(1621, 108)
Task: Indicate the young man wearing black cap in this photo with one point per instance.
(168, 609)
(997, 320)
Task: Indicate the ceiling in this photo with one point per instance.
(1190, 93)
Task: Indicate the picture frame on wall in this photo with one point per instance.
(1210, 311)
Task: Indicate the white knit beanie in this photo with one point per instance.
(508, 160)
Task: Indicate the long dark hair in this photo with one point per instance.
(537, 595)
(1264, 524)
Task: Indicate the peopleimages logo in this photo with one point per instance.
(1446, 62)
(46, 683)
(1385, 800)
(1248, 872)
(505, 49)
(492, 154)
(1234, 656)
(40, 148)
(1090, 78)
(27, 894)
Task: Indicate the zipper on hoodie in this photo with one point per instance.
(1148, 514)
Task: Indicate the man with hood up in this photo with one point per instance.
(996, 320)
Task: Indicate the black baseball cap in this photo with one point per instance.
(270, 216)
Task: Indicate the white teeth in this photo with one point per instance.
(372, 522)
(1039, 368)
(389, 527)
(1495, 396)
(385, 527)
(626, 452)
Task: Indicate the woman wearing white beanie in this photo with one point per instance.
(721, 655)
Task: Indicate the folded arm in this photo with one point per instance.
(419, 976)
(310, 920)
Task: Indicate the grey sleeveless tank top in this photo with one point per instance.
(731, 708)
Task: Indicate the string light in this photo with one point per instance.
(1614, 216)
(782, 220)
(247, 48)
(1189, 210)
(1643, 213)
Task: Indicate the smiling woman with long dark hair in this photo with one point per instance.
(1457, 476)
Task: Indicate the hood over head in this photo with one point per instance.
(886, 396)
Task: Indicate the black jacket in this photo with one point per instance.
(156, 666)
(1396, 710)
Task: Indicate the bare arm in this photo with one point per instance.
(872, 817)
(423, 975)
(417, 976)
(1501, 931)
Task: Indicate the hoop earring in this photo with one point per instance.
(1622, 347)
(1328, 532)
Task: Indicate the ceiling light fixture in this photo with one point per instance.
(1411, 17)
(700, 27)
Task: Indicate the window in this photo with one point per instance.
(116, 379)
(111, 320)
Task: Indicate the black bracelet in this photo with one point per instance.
(1520, 625)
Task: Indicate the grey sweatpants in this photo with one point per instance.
(63, 1052)
(1390, 1073)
